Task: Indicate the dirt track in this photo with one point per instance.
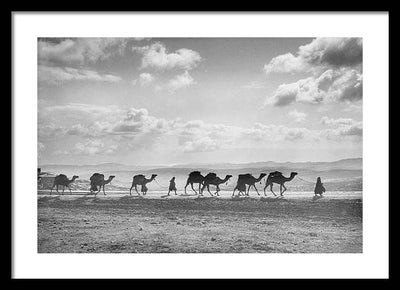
(129, 224)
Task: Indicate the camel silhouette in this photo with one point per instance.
(241, 188)
(97, 179)
(194, 177)
(247, 179)
(213, 179)
(277, 177)
(140, 179)
(62, 180)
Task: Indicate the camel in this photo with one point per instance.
(140, 179)
(213, 179)
(63, 180)
(248, 179)
(277, 177)
(241, 188)
(97, 179)
(194, 177)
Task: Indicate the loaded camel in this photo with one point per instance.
(277, 177)
(140, 179)
(247, 179)
(213, 179)
(194, 177)
(62, 180)
(97, 179)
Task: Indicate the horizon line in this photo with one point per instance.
(198, 163)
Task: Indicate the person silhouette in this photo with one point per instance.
(172, 186)
(319, 187)
(144, 189)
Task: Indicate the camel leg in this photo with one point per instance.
(199, 189)
(233, 193)
(265, 188)
(69, 189)
(57, 189)
(248, 190)
(270, 188)
(202, 189)
(104, 191)
(193, 188)
(130, 190)
(168, 192)
(52, 189)
(136, 189)
(208, 189)
(256, 189)
(218, 190)
(283, 190)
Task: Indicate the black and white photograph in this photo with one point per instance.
(197, 144)
(200, 145)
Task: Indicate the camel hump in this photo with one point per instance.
(211, 175)
(195, 173)
(275, 173)
(96, 176)
(61, 176)
(139, 177)
(244, 175)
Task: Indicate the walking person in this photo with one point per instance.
(172, 186)
(319, 187)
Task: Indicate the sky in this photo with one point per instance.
(167, 101)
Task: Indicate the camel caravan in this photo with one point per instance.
(243, 185)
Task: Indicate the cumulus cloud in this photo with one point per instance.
(180, 81)
(92, 147)
(203, 144)
(135, 128)
(79, 51)
(286, 63)
(331, 86)
(297, 116)
(156, 56)
(341, 121)
(341, 127)
(144, 80)
(56, 75)
(274, 133)
(321, 53)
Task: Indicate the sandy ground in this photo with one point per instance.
(187, 224)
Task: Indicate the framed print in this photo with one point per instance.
(170, 146)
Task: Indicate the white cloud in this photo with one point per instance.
(137, 128)
(157, 56)
(56, 75)
(321, 53)
(297, 116)
(341, 127)
(144, 80)
(79, 50)
(286, 63)
(202, 144)
(180, 81)
(92, 147)
(344, 85)
(341, 121)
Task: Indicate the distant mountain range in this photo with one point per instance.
(343, 164)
